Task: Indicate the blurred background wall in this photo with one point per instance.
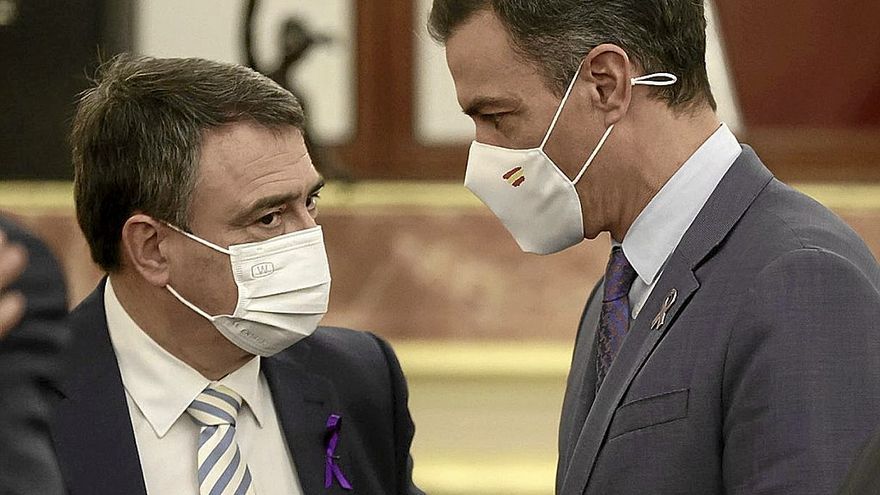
(484, 332)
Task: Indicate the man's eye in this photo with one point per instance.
(312, 201)
(494, 118)
(270, 219)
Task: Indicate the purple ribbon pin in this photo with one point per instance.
(334, 424)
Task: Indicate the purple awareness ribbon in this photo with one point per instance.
(333, 471)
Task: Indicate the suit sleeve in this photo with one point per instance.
(404, 429)
(28, 368)
(802, 376)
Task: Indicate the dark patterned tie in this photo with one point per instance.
(614, 322)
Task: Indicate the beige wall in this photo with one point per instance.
(212, 29)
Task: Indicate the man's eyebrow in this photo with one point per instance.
(245, 217)
(269, 202)
(319, 184)
(479, 104)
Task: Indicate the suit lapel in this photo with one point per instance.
(303, 402)
(736, 192)
(640, 342)
(92, 428)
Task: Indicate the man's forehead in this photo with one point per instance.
(244, 160)
(249, 138)
(242, 149)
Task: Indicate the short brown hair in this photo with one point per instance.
(659, 35)
(137, 135)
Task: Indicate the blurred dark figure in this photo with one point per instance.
(296, 41)
(32, 312)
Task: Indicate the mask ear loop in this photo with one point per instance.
(593, 154)
(561, 106)
(205, 243)
(199, 239)
(656, 79)
(189, 304)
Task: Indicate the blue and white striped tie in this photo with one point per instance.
(222, 471)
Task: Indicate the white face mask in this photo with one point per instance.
(283, 290)
(531, 196)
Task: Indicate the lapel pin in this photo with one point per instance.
(333, 471)
(660, 319)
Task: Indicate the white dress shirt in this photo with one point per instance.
(159, 388)
(659, 228)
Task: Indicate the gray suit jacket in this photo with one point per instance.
(765, 377)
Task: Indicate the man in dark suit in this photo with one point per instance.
(33, 306)
(732, 345)
(196, 365)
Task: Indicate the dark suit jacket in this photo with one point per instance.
(765, 378)
(29, 363)
(335, 371)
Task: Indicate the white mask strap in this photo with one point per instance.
(188, 304)
(655, 79)
(199, 240)
(561, 106)
(593, 154)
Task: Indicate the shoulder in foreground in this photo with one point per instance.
(342, 338)
(341, 345)
(355, 361)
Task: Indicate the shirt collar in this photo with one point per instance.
(161, 385)
(659, 228)
(246, 381)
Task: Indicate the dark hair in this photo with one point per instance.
(137, 135)
(658, 35)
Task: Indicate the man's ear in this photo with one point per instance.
(608, 68)
(143, 248)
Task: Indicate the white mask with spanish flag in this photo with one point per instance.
(531, 196)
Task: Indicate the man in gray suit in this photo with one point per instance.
(732, 346)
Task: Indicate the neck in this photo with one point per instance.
(177, 329)
(649, 153)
